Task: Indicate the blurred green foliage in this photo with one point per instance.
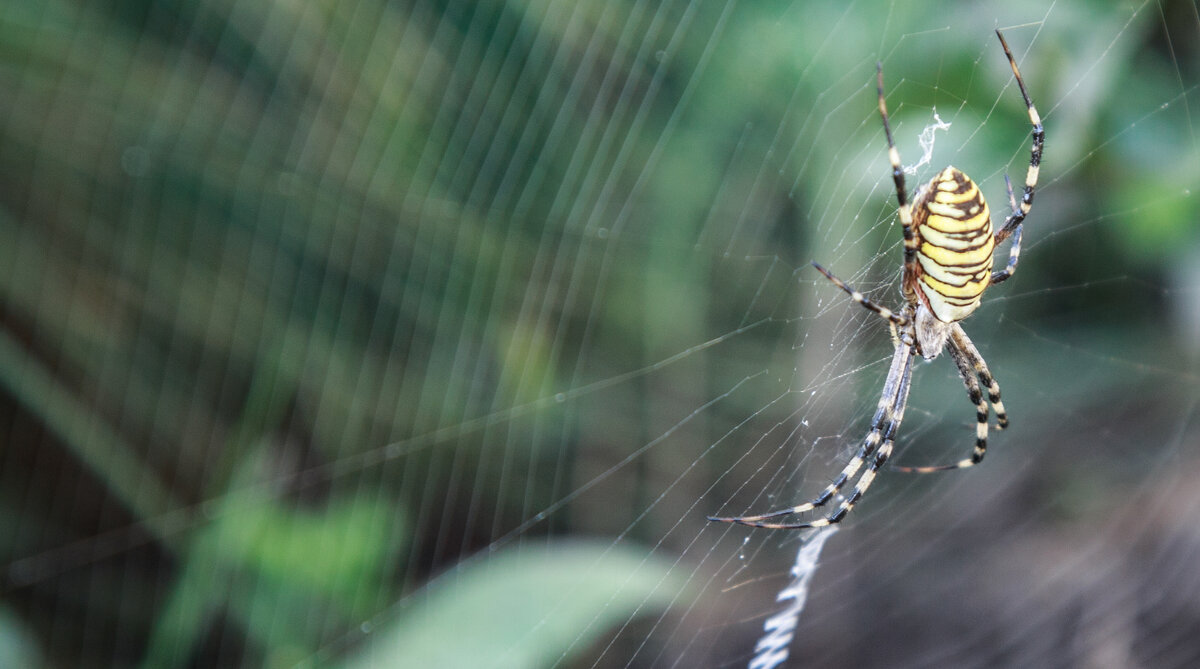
(299, 299)
(559, 610)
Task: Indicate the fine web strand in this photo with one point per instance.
(438, 329)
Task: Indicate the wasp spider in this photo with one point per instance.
(948, 244)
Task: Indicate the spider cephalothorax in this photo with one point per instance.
(948, 245)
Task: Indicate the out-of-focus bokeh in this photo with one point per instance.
(427, 333)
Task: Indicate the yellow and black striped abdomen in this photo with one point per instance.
(954, 244)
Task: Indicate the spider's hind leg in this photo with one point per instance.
(869, 447)
(971, 365)
(873, 454)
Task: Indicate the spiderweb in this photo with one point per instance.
(428, 333)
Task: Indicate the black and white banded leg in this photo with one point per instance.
(904, 208)
(959, 340)
(1012, 224)
(971, 367)
(896, 320)
(874, 453)
(1014, 249)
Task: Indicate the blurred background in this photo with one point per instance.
(427, 333)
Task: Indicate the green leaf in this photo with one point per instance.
(524, 607)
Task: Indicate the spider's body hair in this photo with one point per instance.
(931, 334)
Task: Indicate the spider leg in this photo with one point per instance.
(1014, 249)
(905, 208)
(960, 340)
(869, 446)
(1014, 254)
(1012, 199)
(879, 443)
(1035, 155)
(971, 365)
(892, 317)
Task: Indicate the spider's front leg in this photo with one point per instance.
(904, 207)
(1012, 224)
(1014, 249)
(897, 320)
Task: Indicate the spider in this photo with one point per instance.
(948, 244)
